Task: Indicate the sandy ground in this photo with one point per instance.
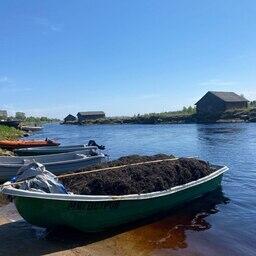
(20, 238)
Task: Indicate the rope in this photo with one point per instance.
(115, 167)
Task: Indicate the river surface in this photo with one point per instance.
(223, 223)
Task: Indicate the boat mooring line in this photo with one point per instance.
(120, 166)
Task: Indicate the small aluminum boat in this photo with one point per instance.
(10, 123)
(48, 150)
(31, 128)
(56, 163)
(94, 213)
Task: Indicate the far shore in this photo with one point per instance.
(231, 116)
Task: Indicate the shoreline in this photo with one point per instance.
(233, 116)
(220, 121)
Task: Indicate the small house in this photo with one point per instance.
(90, 115)
(3, 114)
(214, 103)
(70, 119)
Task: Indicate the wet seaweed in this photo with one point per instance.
(146, 178)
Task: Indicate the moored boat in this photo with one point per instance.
(14, 144)
(31, 128)
(56, 163)
(10, 123)
(91, 213)
(48, 150)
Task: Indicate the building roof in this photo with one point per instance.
(227, 96)
(91, 113)
(70, 116)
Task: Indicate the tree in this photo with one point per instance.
(190, 110)
(252, 104)
(43, 119)
(20, 116)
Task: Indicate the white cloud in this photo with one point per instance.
(8, 85)
(217, 82)
(47, 24)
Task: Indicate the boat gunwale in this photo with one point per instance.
(80, 151)
(99, 198)
(83, 157)
(81, 146)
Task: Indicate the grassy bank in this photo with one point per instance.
(8, 133)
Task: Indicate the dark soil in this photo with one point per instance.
(138, 179)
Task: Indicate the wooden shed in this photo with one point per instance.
(217, 102)
(90, 115)
(70, 119)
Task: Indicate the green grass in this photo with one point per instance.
(9, 133)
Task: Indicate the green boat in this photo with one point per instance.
(94, 213)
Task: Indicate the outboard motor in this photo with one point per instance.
(93, 143)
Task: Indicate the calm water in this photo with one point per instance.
(223, 223)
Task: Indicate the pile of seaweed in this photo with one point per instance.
(137, 179)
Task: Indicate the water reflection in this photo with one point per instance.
(219, 129)
(219, 135)
(170, 232)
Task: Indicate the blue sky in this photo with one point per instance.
(123, 57)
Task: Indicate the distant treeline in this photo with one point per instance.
(185, 111)
(187, 114)
(31, 119)
(39, 120)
